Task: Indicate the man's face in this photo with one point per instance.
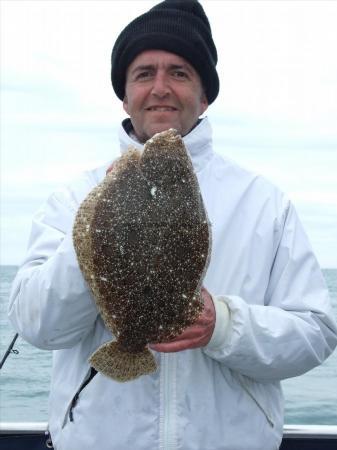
(162, 91)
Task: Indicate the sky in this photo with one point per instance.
(276, 113)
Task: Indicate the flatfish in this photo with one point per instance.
(142, 239)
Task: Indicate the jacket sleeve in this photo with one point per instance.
(292, 330)
(50, 305)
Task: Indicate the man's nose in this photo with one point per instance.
(161, 86)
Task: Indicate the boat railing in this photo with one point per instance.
(302, 431)
(291, 431)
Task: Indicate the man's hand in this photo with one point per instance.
(197, 335)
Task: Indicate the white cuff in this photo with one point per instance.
(222, 318)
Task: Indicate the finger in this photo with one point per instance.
(193, 332)
(204, 319)
(178, 346)
(199, 329)
(167, 347)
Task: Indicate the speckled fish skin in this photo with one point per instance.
(142, 239)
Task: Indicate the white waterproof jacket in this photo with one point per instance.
(225, 396)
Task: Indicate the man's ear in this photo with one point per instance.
(203, 103)
(126, 104)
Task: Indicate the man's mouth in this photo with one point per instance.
(161, 108)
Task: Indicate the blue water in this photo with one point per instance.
(25, 378)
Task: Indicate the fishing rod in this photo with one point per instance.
(9, 350)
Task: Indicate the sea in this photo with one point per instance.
(25, 377)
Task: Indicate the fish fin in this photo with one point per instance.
(122, 366)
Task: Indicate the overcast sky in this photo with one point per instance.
(276, 113)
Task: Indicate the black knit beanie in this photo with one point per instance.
(176, 26)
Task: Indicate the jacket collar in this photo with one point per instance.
(198, 142)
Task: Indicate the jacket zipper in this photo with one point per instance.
(167, 402)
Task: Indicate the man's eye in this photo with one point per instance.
(142, 75)
(180, 74)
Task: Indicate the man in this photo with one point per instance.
(267, 314)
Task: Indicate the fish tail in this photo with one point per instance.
(122, 366)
